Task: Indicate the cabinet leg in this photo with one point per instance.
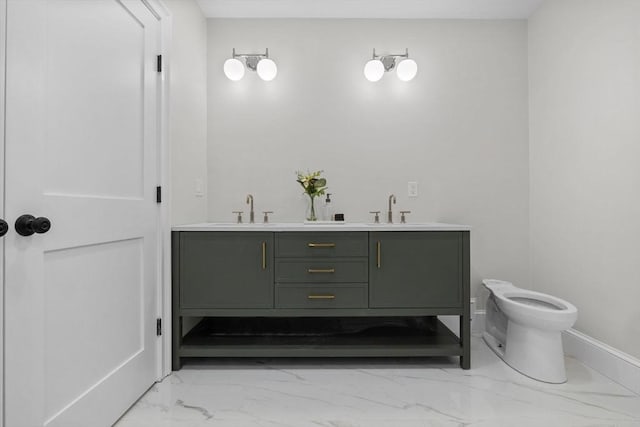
(176, 363)
(176, 319)
(465, 341)
(465, 363)
(465, 319)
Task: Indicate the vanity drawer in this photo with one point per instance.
(322, 244)
(321, 270)
(322, 296)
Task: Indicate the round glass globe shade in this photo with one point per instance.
(407, 70)
(234, 69)
(373, 70)
(267, 69)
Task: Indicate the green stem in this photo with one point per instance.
(312, 212)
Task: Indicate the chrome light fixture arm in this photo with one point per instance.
(251, 59)
(389, 61)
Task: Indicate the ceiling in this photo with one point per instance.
(399, 9)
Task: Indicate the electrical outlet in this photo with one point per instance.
(199, 188)
(412, 189)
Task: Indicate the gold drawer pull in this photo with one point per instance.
(321, 245)
(321, 297)
(328, 270)
(378, 255)
(264, 255)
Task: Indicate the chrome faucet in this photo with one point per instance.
(251, 214)
(392, 198)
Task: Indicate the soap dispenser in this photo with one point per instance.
(327, 209)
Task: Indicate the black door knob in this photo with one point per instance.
(4, 227)
(26, 225)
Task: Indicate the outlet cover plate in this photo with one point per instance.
(412, 189)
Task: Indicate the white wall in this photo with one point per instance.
(459, 129)
(188, 109)
(584, 60)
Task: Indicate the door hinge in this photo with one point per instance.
(158, 194)
(159, 63)
(158, 326)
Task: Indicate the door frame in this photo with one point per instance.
(3, 38)
(164, 297)
(163, 294)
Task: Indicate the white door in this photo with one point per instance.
(82, 150)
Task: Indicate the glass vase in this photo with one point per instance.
(311, 210)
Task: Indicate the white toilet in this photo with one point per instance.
(524, 329)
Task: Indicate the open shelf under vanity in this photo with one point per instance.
(320, 337)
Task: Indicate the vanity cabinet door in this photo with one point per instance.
(226, 270)
(415, 269)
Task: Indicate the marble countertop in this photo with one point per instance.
(320, 226)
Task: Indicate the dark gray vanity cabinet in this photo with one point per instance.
(219, 270)
(347, 293)
(414, 269)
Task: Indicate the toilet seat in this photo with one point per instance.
(537, 309)
(536, 300)
(535, 303)
(525, 297)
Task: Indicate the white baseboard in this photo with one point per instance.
(618, 366)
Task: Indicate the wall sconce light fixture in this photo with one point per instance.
(406, 68)
(259, 62)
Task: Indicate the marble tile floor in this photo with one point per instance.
(380, 392)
